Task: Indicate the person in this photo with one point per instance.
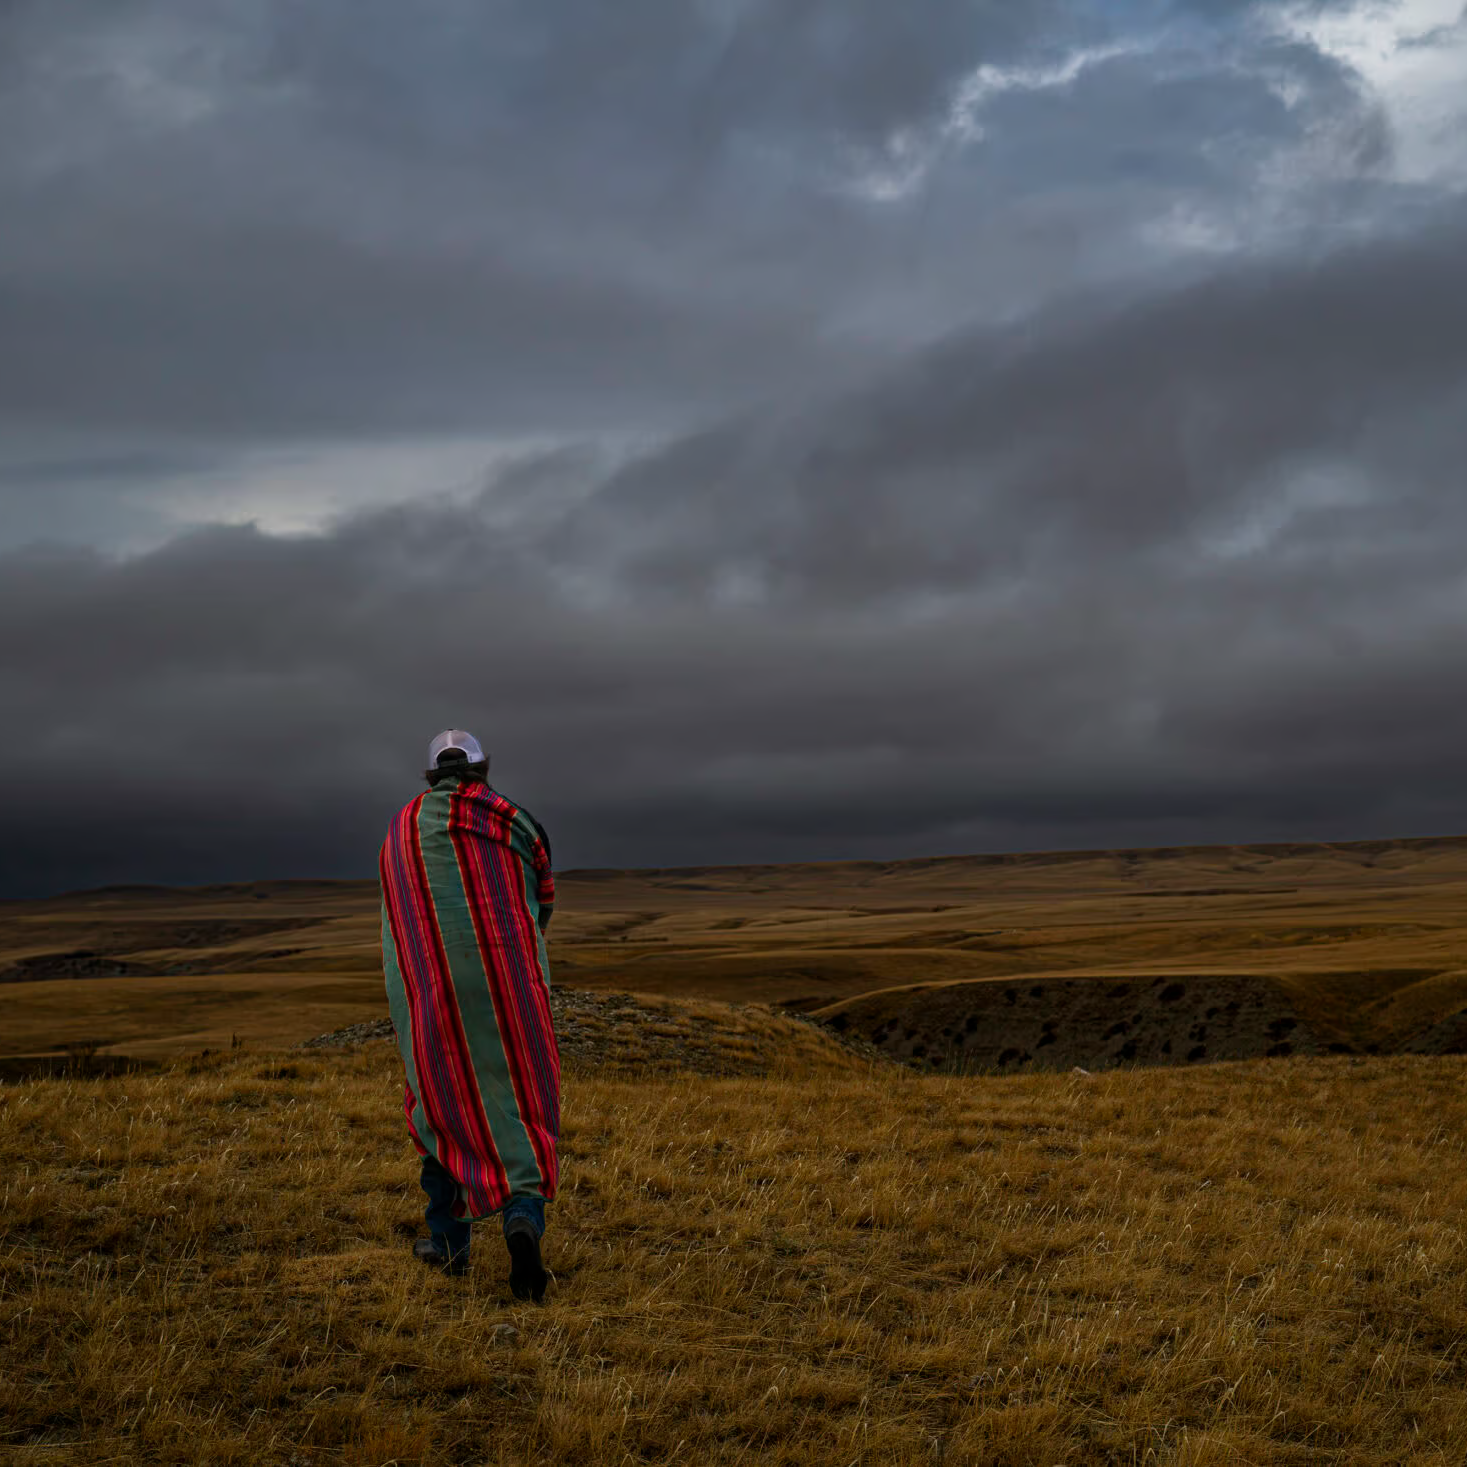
(467, 893)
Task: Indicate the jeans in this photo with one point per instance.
(451, 1234)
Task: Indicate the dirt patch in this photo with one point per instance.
(1446, 1036)
(1097, 1023)
(124, 950)
(203, 934)
(47, 966)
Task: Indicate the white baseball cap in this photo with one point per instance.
(455, 738)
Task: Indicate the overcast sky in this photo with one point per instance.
(780, 429)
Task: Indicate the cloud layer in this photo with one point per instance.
(779, 431)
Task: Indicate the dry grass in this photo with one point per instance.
(1367, 942)
(646, 1035)
(1259, 1263)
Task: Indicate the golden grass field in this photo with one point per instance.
(1259, 1263)
(829, 1258)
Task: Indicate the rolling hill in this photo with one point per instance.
(1036, 960)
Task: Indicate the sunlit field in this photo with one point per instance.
(1250, 1263)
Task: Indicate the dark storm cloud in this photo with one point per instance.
(1151, 428)
(252, 332)
(658, 72)
(1051, 423)
(1191, 568)
(278, 217)
(264, 219)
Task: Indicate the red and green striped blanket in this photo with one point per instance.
(466, 892)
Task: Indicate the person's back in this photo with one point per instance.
(467, 891)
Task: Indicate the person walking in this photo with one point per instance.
(467, 893)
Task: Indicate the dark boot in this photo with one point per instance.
(527, 1277)
(447, 1246)
(427, 1250)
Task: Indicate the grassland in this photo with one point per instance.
(769, 1246)
(1259, 1263)
(1363, 945)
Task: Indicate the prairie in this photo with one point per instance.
(772, 1243)
(1259, 1263)
(1356, 947)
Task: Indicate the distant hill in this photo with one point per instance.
(1353, 946)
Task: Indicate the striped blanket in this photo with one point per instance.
(466, 893)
